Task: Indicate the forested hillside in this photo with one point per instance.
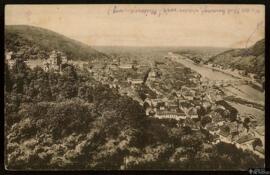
(36, 43)
(251, 59)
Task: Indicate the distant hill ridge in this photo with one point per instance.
(36, 42)
(249, 59)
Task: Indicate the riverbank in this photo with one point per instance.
(246, 92)
(236, 74)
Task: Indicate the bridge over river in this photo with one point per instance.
(225, 83)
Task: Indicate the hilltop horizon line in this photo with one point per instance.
(139, 46)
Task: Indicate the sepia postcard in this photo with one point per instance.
(134, 87)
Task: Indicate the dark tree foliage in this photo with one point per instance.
(206, 120)
(257, 142)
(8, 79)
(36, 43)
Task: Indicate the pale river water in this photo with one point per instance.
(243, 91)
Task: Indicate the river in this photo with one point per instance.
(243, 91)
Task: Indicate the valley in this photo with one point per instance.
(126, 107)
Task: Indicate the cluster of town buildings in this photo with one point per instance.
(110, 72)
(187, 113)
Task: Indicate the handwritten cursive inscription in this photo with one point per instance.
(159, 11)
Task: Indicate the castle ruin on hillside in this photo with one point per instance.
(55, 62)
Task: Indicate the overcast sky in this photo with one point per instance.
(147, 25)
